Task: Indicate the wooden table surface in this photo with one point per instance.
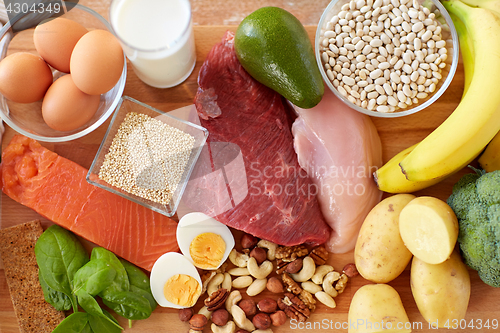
(212, 18)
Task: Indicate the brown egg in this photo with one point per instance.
(97, 62)
(24, 77)
(65, 107)
(55, 40)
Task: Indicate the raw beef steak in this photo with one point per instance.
(250, 146)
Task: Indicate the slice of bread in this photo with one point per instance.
(17, 249)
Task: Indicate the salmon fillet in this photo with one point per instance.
(56, 188)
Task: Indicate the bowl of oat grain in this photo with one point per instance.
(387, 58)
(147, 156)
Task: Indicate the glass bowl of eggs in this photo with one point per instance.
(387, 58)
(62, 71)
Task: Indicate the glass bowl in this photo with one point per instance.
(27, 118)
(126, 106)
(448, 33)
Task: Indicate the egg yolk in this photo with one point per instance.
(207, 250)
(182, 290)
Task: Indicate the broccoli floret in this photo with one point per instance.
(476, 202)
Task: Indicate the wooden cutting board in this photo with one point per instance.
(396, 134)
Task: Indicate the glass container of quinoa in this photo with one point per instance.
(147, 156)
(387, 58)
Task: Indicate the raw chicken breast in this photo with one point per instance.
(339, 148)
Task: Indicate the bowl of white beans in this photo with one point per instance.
(387, 58)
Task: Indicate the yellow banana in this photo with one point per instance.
(476, 120)
(389, 177)
(490, 159)
(466, 50)
(492, 5)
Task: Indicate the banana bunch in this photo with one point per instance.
(475, 121)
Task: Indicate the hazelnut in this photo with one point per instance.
(248, 306)
(259, 254)
(267, 305)
(185, 314)
(350, 270)
(278, 318)
(275, 285)
(295, 266)
(248, 241)
(220, 317)
(262, 321)
(198, 322)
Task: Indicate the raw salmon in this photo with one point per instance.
(56, 188)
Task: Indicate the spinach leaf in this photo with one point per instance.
(59, 255)
(90, 305)
(146, 295)
(120, 282)
(94, 276)
(136, 276)
(57, 299)
(77, 322)
(104, 324)
(128, 304)
(139, 282)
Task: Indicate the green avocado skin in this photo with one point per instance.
(274, 48)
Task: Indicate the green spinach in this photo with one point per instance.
(59, 255)
(94, 277)
(104, 324)
(60, 301)
(77, 322)
(120, 282)
(128, 304)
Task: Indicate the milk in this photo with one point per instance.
(157, 37)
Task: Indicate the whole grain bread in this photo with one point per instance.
(17, 249)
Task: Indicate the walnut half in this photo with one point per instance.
(293, 307)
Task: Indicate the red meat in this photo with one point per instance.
(269, 196)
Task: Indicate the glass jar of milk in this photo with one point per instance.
(157, 37)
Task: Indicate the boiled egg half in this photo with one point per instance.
(204, 241)
(175, 282)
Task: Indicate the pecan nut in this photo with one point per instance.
(319, 255)
(294, 308)
(290, 284)
(308, 299)
(290, 253)
(217, 299)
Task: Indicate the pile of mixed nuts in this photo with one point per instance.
(299, 276)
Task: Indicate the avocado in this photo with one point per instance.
(274, 48)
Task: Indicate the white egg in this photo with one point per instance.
(194, 224)
(165, 267)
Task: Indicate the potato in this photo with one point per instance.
(377, 308)
(429, 229)
(441, 291)
(380, 254)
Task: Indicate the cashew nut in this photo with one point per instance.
(271, 248)
(214, 283)
(233, 298)
(328, 282)
(326, 299)
(206, 280)
(238, 259)
(259, 272)
(307, 271)
(227, 282)
(263, 331)
(320, 273)
(242, 282)
(256, 287)
(204, 311)
(311, 287)
(230, 327)
(241, 319)
(239, 271)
